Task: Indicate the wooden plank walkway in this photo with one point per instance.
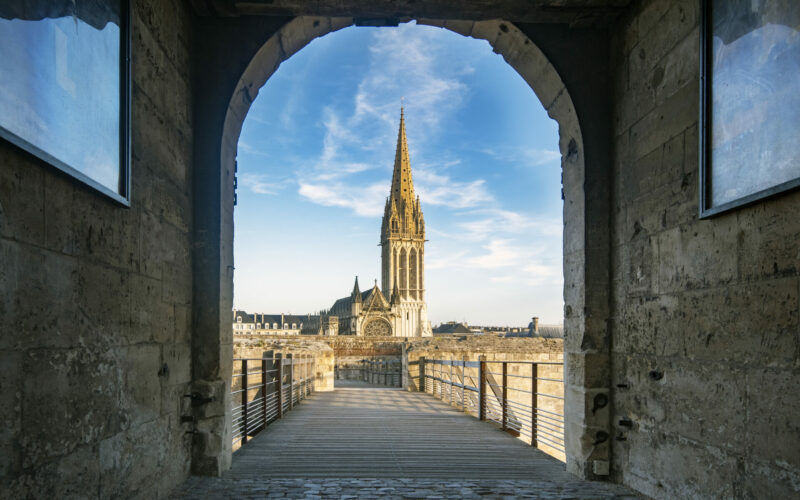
(366, 442)
(367, 431)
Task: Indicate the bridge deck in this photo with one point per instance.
(390, 435)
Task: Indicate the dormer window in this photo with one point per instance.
(238, 319)
(274, 326)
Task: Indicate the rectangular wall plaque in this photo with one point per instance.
(750, 102)
(65, 88)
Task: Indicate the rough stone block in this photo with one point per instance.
(654, 43)
(77, 473)
(685, 469)
(705, 402)
(162, 245)
(652, 325)
(21, 196)
(697, 255)
(671, 118)
(10, 413)
(129, 460)
(70, 397)
(772, 409)
(140, 396)
(769, 239)
(765, 480)
(151, 318)
(748, 323)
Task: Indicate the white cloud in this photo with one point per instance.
(495, 221)
(500, 254)
(366, 201)
(527, 157)
(436, 189)
(262, 184)
(249, 149)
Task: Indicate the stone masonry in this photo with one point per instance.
(109, 315)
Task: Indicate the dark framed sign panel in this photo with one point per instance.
(749, 101)
(65, 87)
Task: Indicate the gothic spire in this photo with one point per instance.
(402, 183)
(356, 295)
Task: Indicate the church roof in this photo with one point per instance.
(272, 318)
(452, 328)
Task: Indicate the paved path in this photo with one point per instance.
(370, 442)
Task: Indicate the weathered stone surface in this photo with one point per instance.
(705, 313)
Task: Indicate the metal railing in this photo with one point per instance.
(263, 389)
(526, 398)
(382, 372)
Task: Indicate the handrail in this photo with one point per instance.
(378, 372)
(261, 396)
(525, 398)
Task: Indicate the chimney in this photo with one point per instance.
(535, 325)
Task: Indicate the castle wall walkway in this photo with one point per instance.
(364, 441)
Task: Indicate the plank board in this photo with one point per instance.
(376, 432)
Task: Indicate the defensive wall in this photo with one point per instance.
(110, 315)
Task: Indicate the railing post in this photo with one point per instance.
(463, 384)
(534, 404)
(309, 374)
(290, 363)
(441, 384)
(482, 387)
(244, 401)
(279, 379)
(450, 396)
(505, 396)
(264, 392)
(422, 374)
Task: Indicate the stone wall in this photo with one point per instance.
(259, 346)
(705, 320)
(96, 299)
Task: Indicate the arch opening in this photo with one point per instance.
(516, 49)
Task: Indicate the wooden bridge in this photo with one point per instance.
(361, 436)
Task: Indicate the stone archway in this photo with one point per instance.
(585, 209)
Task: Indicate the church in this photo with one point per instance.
(397, 308)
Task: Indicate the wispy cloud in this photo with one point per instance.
(366, 201)
(438, 189)
(249, 149)
(263, 184)
(526, 157)
(403, 62)
(500, 253)
(494, 221)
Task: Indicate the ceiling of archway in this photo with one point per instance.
(387, 12)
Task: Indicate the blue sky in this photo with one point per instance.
(315, 164)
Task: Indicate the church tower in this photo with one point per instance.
(403, 246)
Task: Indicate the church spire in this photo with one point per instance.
(356, 295)
(402, 182)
